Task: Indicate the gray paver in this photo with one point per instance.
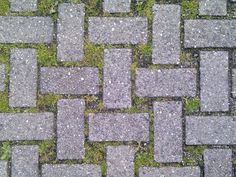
(168, 132)
(116, 6)
(234, 82)
(165, 82)
(69, 80)
(26, 29)
(24, 161)
(26, 126)
(120, 161)
(118, 127)
(23, 78)
(170, 172)
(213, 7)
(118, 30)
(23, 5)
(117, 78)
(71, 170)
(3, 168)
(70, 129)
(214, 81)
(218, 163)
(166, 34)
(210, 130)
(209, 33)
(2, 77)
(70, 32)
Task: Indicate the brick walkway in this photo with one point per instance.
(150, 110)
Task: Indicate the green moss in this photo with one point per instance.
(191, 105)
(193, 155)
(185, 57)
(4, 102)
(93, 7)
(145, 50)
(5, 151)
(46, 55)
(144, 8)
(47, 151)
(4, 7)
(48, 102)
(189, 9)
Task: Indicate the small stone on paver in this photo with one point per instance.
(170, 172)
(168, 132)
(70, 32)
(24, 161)
(83, 170)
(214, 81)
(118, 30)
(166, 34)
(210, 130)
(70, 129)
(65, 80)
(119, 127)
(23, 78)
(120, 161)
(213, 7)
(165, 82)
(116, 6)
(2, 77)
(15, 29)
(209, 33)
(23, 5)
(117, 78)
(3, 168)
(26, 126)
(218, 163)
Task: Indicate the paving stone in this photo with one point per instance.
(120, 161)
(169, 172)
(69, 80)
(70, 32)
(70, 129)
(210, 130)
(218, 163)
(234, 82)
(71, 170)
(24, 161)
(2, 77)
(26, 29)
(23, 5)
(209, 33)
(116, 6)
(213, 7)
(165, 82)
(118, 127)
(168, 132)
(214, 81)
(117, 78)
(3, 168)
(166, 34)
(26, 126)
(23, 78)
(118, 30)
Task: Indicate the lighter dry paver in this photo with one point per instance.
(116, 6)
(2, 77)
(3, 168)
(23, 5)
(213, 7)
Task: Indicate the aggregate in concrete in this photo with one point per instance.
(23, 5)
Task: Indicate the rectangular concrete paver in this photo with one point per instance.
(234, 82)
(170, 172)
(71, 170)
(70, 32)
(69, 80)
(118, 127)
(3, 168)
(210, 130)
(116, 6)
(214, 81)
(26, 126)
(165, 82)
(213, 7)
(26, 29)
(209, 33)
(166, 34)
(120, 161)
(70, 129)
(168, 132)
(118, 30)
(24, 161)
(23, 78)
(2, 77)
(23, 5)
(117, 78)
(218, 163)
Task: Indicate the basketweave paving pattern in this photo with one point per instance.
(146, 115)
